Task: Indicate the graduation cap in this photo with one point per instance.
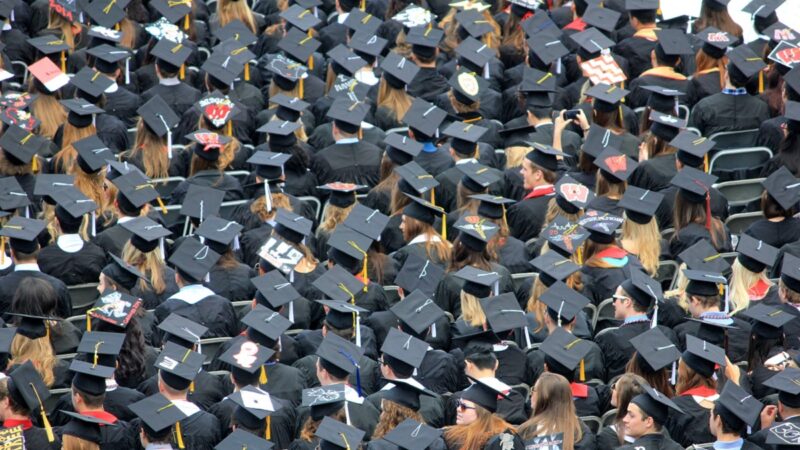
(21, 146)
(340, 355)
(423, 210)
(571, 195)
(413, 435)
(703, 283)
(115, 307)
(602, 18)
(762, 9)
(406, 391)
(424, 117)
(787, 383)
(546, 48)
(564, 352)
(178, 366)
(424, 39)
(342, 195)
(287, 71)
(157, 413)
(117, 169)
(163, 28)
(269, 165)
(474, 23)
(72, 205)
(6, 338)
(324, 400)
(32, 326)
(23, 233)
(106, 13)
(703, 357)
(344, 61)
(174, 54)
(280, 254)
(692, 149)
(347, 115)
(503, 313)
(564, 237)
(483, 394)
(217, 108)
(599, 139)
(12, 196)
(136, 189)
(785, 55)
(158, 116)
(478, 282)
(477, 177)
(265, 325)
(474, 54)
(744, 64)
(694, 185)
(754, 254)
(48, 74)
(84, 426)
(602, 226)
(90, 377)
(339, 284)
(19, 118)
(607, 97)
(672, 42)
(367, 45)
(399, 347)
(49, 45)
(737, 407)
(348, 248)
(208, 143)
(367, 221)
(398, 72)
(240, 439)
(769, 321)
(655, 349)
(401, 149)
(783, 187)
(193, 260)
(362, 22)
(790, 272)
(414, 16)
(237, 31)
(80, 112)
(544, 156)
(704, 257)
(147, 234)
(289, 108)
(26, 388)
(665, 126)
(300, 17)
(563, 303)
(465, 136)
(639, 204)
(553, 267)
(337, 435)
(299, 46)
(291, 226)
(107, 58)
(219, 233)
(93, 154)
(247, 359)
(779, 31)
(715, 41)
(591, 42)
(467, 87)
(492, 206)
(475, 232)
(641, 5)
(417, 311)
(275, 290)
(655, 404)
(643, 289)
(173, 11)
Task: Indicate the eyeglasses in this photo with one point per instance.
(463, 406)
(381, 361)
(619, 297)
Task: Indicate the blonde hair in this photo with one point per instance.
(50, 113)
(231, 10)
(475, 435)
(396, 100)
(150, 264)
(38, 351)
(259, 206)
(553, 411)
(65, 157)
(644, 241)
(70, 442)
(92, 185)
(154, 158)
(742, 279)
(471, 310)
(333, 216)
(515, 155)
(680, 288)
(56, 22)
(129, 33)
(535, 306)
(554, 210)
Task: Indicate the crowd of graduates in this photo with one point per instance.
(397, 224)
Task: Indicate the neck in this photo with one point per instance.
(18, 261)
(12, 416)
(483, 373)
(644, 26)
(174, 396)
(729, 85)
(708, 309)
(728, 437)
(535, 121)
(633, 313)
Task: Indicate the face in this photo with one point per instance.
(614, 396)
(530, 175)
(103, 284)
(403, 224)
(635, 425)
(466, 414)
(620, 298)
(534, 395)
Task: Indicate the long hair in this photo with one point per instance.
(333, 216)
(515, 154)
(686, 212)
(398, 200)
(451, 31)
(759, 349)
(590, 251)
(742, 281)
(38, 351)
(279, 200)
(389, 177)
(513, 35)
(474, 436)
(392, 414)
(199, 164)
(657, 147)
(231, 10)
(688, 379)
(129, 33)
(644, 240)
(310, 426)
(704, 62)
(717, 18)
(71, 134)
(610, 190)
(611, 120)
(92, 185)
(48, 110)
(395, 100)
(627, 386)
(553, 411)
(274, 90)
(70, 442)
(536, 306)
(56, 22)
(437, 249)
(471, 310)
(462, 256)
(658, 379)
(150, 264)
(554, 210)
(152, 148)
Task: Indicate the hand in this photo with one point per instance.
(768, 415)
(643, 153)
(560, 122)
(582, 121)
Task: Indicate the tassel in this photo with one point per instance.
(247, 72)
(179, 435)
(262, 378)
(761, 82)
(364, 274)
(47, 330)
(505, 221)
(35, 164)
(357, 326)
(583, 371)
(127, 71)
(528, 343)
(444, 226)
(2, 250)
(433, 330)
(674, 376)
(45, 422)
(300, 89)
(310, 60)
(705, 163)
(433, 196)
(94, 224)
(161, 205)
(708, 211)
(268, 433)
(88, 322)
(186, 22)
(291, 311)
(229, 128)
(191, 387)
(63, 65)
(360, 134)
(363, 6)
(182, 72)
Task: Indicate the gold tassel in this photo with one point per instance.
(116, 26)
(35, 164)
(64, 62)
(444, 226)
(262, 379)
(505, 220)
(579, 253)
(433, 196)
(363, 5)
(310, 62)
(300, 89)
(161, 205)
(247, 72)
(761, 82)
(179, 436)
(186, 22)
(583, 371)
(88, 322)
(229, 128)
(45, 422)
(191, 387)
(705, 163)
(2, 250)
(47, 330)
(182, 72)
(268, 434)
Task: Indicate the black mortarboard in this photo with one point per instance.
(563, 303)
(240, 439)
(656, 349)
(173, 53)
(673, 42)
(398, 71)
(136, 189)
(344, 61)
(602, 18)
(122, 272)
(107, 57)
(691, 148)
(474, 22)
(269, 165)
(339, 284)
(84, 426)
(416, 177)
(665, 126)
(424, 117)
(90, 377)
(48, 44)
(564, 237)
(193, 260)
(607, 97)
(342, 194)
(12, 196)
(299, 17)
(474, 52)
(422, 210)
(253, 405)
(6, 338)
(643, 289)
(571, 195)
(754, 254)
(790, 272)
(291, 226)
(157, 413)
(219, 233)
(30, 326)
(348, 248)
(703, 256)
(693, 184)
(477, 282)
(553, 267)
(238, 31)
(367, 221)
(639, 204)
(600, 139)
(503, 313)
(158, 116)
(641, 5)
(664, 100)
(475, 232)
(744, 64)
(178, 366)
(27, 389)
(413, 435)
(544, 156)
(715, 41)
(737, 406)
(492, 206)
(546, 48)
(541, 24)
(467, 87)
(182, 331)
(173, 11)
(477, 177)
(265, 326)
(93, 154)
(347, 114)
(483, 394)
(564, 349)
(80, 112)
(602, 226)
(787, 382)
(146, 233)
(47, 184)
(762, 8)
(275, 290)
(417, 310)
(117, 169)
(424, 39)
(23, 233)
(340, 353)
(591, 42)
(337, 435)
(783, 187)
(404, 348)
(769, 321)
(703, 283)
(362, 22)
(299, 46)
(405, 391)
(367, 45)
(655, 404)
(702, 356)
(289, 108)
(21, 146)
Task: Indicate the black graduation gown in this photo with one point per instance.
(654, 174)
(65, 338)
(83, 266)
(17, 47)
(759, 438)
(113, 239)
(514, 255)
(448, 292)
(593, 363)
(112, 437)
(526, 218)
(606, 279)
(232, 283)
(770, 135)
(428, 84)
(208, 389)
(638, 96)
(332, 35)
(200, 431)
(123, 104)
(719, 206)
(36, 437)
(179, 97)
(723, 112)
(113, 132)
(363, 415)
(282, 420)
(369, 371)
(691, 426)
(694, 232)
(431, 408)
(213, 311)
(654, 442)
(738, 337)
(636, 50)
(776, 234)
(209, 178)
(435, 161)
(309, 340)
(357, 163)
(151, 299)
(392, 237)
(10, 282)
(703, 85)
(616, 346)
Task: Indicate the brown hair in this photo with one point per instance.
(279, 200)
(553, 411)
(535, 306)
(49, 111)
(704, 62)
(717, 18)
(628, 385)
(307, 433)
(610, 190)
(474, 436)
(152, 148)
(688, 379)
(232, 10)
(70, 442)
(392, 414)
(65, 157)
(395, 100)
(686, 212)
(658, 379)
(434, 249)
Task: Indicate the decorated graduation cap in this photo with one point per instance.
(655, 404)
(704, 257)
(571, 195)
(22, 233)
(754, 254)
(769, 321)
(158, 414)
(113, 307)
(475, 232)
(424, 118)
(787, 383)
(324, 400)
(640, 204)
(178, 366)
(564, 352)
(336, 435)
(367, 221)
(340, 357)
(715, 41)
(160, 119)
(702, 357)
(265, 326)
(48, 75)
(247, 359)
(553, 267)
(477, 282)
(783, 187)
(80, 112)
(665, 126)
(418, 312)
(147, 233)
(413, 435)
(398, 71)
(615, 166)
(208, 144)
(27, 389)
(467, 86)
(193, 260)
(484, 394)
(565, 237)
(602, 226)
(563, 303)
(692, 149)
(413, 16)
(655, 349)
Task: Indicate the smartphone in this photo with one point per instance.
(571, 114)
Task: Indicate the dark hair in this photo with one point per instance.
(462, 256)
(789, 150)
(91, 401)
(131, 359)
(644, 15)
(759, 349)
(772, 209)
(35, 297)
(482, 360)
(686, 212)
